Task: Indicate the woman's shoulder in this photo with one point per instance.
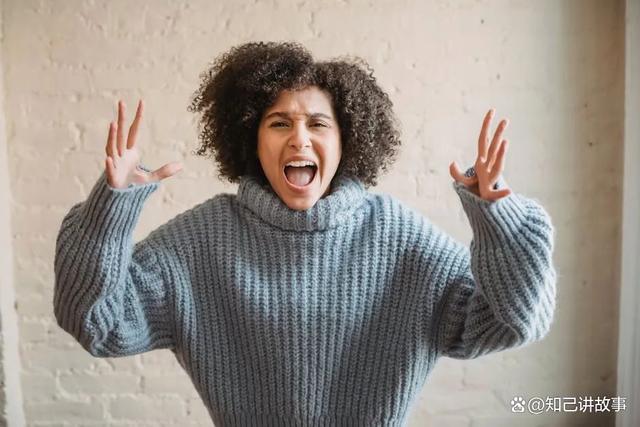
(205, 215)
(400, 219)
(416, 231)
(391, 207)
(223, 206)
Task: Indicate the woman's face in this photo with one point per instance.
(300, 125)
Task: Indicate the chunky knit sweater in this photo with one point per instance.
(332, 316)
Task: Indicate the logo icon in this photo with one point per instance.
(517, 404)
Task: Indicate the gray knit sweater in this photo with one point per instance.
(333, 316)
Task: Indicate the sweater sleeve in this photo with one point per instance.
(499, 293)
(112, 296)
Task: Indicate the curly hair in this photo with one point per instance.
(244, 82)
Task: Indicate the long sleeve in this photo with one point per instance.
(500, 293)
(112, 296)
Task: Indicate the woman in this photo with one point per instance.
(303, 299)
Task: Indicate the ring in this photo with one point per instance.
(470, 172)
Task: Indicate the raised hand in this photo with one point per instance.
(123, 160)
(489, 163)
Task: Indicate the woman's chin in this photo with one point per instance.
(301, 197)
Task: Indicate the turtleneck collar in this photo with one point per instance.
(346, 196)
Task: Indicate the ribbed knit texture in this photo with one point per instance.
(333, 316)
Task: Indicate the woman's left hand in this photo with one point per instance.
(489, 163)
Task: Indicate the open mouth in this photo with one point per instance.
(300, 177)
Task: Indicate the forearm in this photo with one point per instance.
(511, 258)
(500, 292)
(96, 269)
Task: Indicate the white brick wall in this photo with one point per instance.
(554, 68)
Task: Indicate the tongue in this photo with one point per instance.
(300, 176)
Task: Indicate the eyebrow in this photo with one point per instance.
(287, 116)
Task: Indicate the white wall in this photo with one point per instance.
(629, 330)
(11, 411)
(554, 68)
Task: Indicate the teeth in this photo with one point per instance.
(300, 163)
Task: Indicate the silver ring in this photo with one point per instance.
(470, 172)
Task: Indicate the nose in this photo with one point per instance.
(299, 137)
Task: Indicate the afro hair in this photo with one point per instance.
(244, 82)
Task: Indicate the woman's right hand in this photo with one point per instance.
(122, 160)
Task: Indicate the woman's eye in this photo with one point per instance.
(319, 124)
(278, 124)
